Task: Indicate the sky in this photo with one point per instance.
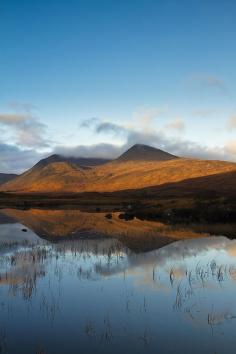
(93, 77)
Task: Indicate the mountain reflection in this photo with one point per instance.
(58, 225)
(111, 280)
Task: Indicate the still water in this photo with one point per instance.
(77, 282)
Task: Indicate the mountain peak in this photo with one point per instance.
(145, 152)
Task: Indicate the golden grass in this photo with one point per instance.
(115, 176)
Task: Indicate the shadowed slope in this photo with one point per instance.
(6, 177)
(79, 161)
(220, 184)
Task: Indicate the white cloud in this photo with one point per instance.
(176, 146)
(11, 119)
(210, 82)
(87, 123)
(204, 112)
(14, 159)
(232, 123)
(231, 147)
(24, 130)
(101, 150)
(177, 125)
(27, 133)
(147, 114)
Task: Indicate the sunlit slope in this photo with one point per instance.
(115, 176)
(53, 177)
(133, 175)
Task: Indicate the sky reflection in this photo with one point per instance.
(97, 294)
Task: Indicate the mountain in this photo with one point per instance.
(140, 167)
(80, 161)
(136, 152)
(54, 173)
(5, 177)
(140, 152)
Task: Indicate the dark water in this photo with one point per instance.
(79, 283)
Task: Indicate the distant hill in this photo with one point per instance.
(140, 152)
(139, 167)
(5, 177)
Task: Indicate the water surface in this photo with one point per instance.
(80, 283)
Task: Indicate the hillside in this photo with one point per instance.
(5, 177)
(126, 172)
(52, 177)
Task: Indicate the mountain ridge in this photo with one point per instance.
(81, 161)
(139, 167)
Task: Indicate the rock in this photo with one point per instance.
(126, 216)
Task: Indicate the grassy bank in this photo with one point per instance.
(171, 209)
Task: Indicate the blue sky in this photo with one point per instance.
(158, 71)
